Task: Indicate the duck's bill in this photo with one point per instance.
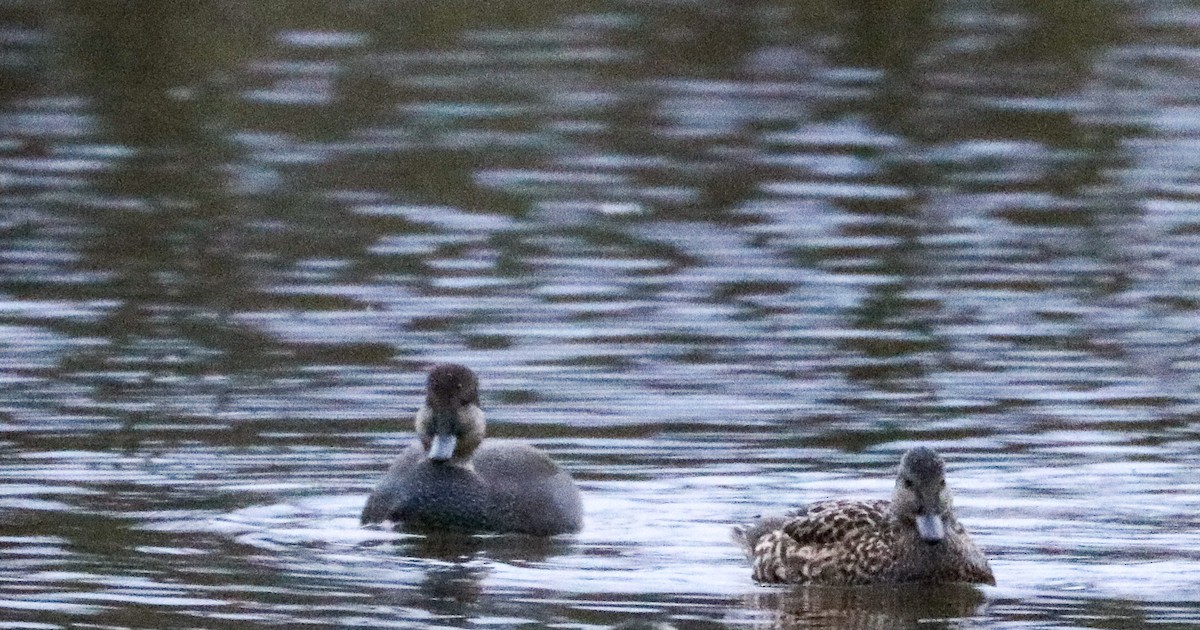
(441, 447)
(930, 528)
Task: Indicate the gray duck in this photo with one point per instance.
(450, 479)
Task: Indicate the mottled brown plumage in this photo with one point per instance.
(912, 538)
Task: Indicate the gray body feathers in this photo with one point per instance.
(507, 487)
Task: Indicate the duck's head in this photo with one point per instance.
(450, 423)
(921, 496)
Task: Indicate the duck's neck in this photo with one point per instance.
(457, 462)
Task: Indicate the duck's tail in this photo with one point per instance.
(747, 536)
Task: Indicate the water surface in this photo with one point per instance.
(717, 258)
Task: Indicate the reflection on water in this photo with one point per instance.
(869, 608)
(717, 258)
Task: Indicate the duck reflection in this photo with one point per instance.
(464, 547)
(445, 589)
(453, 566)
(869, 608)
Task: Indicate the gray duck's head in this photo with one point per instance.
(450, 423)
(921, 497)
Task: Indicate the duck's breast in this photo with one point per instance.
(393, 488)
(421, 494)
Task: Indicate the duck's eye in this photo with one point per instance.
(908, 484)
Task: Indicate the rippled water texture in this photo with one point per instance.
(716, 258)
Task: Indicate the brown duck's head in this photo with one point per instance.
(450, 424)
(921, 497)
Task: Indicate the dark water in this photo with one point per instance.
(717, 258)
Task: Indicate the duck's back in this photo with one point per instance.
(530, 494)
(510, 487)
(828, 542)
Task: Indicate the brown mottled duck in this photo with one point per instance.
(914, 537)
